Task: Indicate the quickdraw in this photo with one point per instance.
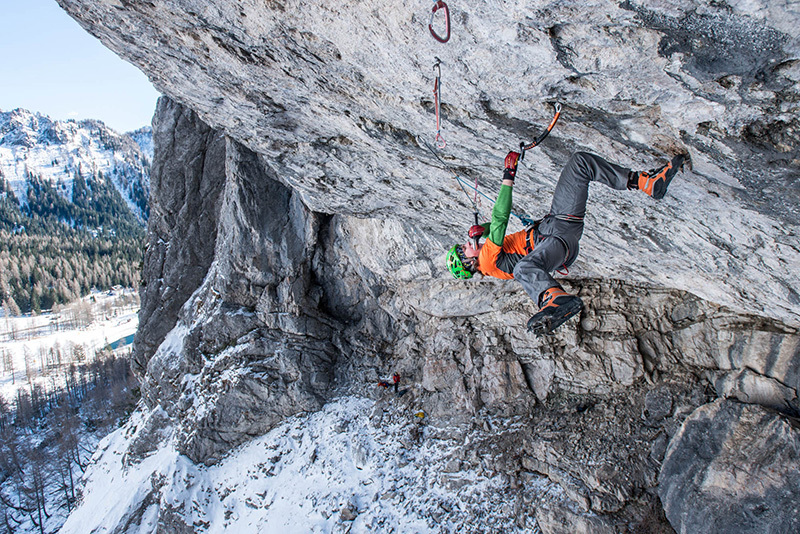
(523, 147)
(437, 5)
(437, 102)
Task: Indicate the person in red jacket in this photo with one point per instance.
(530, 255)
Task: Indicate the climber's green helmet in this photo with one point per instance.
(458, 264)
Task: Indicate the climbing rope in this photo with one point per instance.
(465, 185)
(437, 103)
(524, 219)
(461, 182)
(437, 5)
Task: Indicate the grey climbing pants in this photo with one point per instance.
(556, 240)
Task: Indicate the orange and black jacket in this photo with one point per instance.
(501, 252)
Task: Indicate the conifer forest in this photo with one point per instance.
(53, 251)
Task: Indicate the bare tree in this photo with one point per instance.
(38, 481)
(5, 414)
(30, 365)
(5, 356)
(13, 494)
(78, 353)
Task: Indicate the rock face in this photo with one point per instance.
(184, 206)
(297, 307)
(337, 98)
(296, 249)
(733, 468)
(249, 337)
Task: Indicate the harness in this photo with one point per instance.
(532, 235)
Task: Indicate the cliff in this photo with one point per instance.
(297, 234)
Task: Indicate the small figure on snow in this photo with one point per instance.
(551, 243)
(395, 382)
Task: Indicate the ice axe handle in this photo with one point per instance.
(523, 147)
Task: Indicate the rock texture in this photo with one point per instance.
(297, 307)
(314, 260)
(250, 337)
(337, 97)
(184, 205)
(733, 468)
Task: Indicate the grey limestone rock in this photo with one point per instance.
(733, 468)
(562, 519)
(299, 225)
(250, 336)
(747, 386)
(337, 99)
(297, 306)
(186, 186)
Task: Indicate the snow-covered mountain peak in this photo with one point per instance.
(32, 144)
(20, 127)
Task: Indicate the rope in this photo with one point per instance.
(524, 219)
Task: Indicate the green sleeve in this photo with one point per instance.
(500, 214)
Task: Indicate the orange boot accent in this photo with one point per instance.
(646, 182)
(550, 295)
(557, 307)
(655, 182)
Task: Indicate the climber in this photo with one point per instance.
(395, 381)
(530, 255)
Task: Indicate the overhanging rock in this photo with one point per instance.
(336, 98)
(322, 222)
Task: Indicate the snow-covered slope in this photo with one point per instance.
(144, 138)
(357, 465)
(33, 144)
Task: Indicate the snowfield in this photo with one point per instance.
(106, 318)
(359, 465)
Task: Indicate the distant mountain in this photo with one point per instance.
(144, 138)
(73, 208)
(33, 144)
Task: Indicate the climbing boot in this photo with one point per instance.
(556, 307)
(656, 181)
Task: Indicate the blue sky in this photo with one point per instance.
(49, 64)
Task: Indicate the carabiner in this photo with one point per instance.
(437, 5)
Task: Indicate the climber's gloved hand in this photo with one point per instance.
(512, 160)
(476, 231)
